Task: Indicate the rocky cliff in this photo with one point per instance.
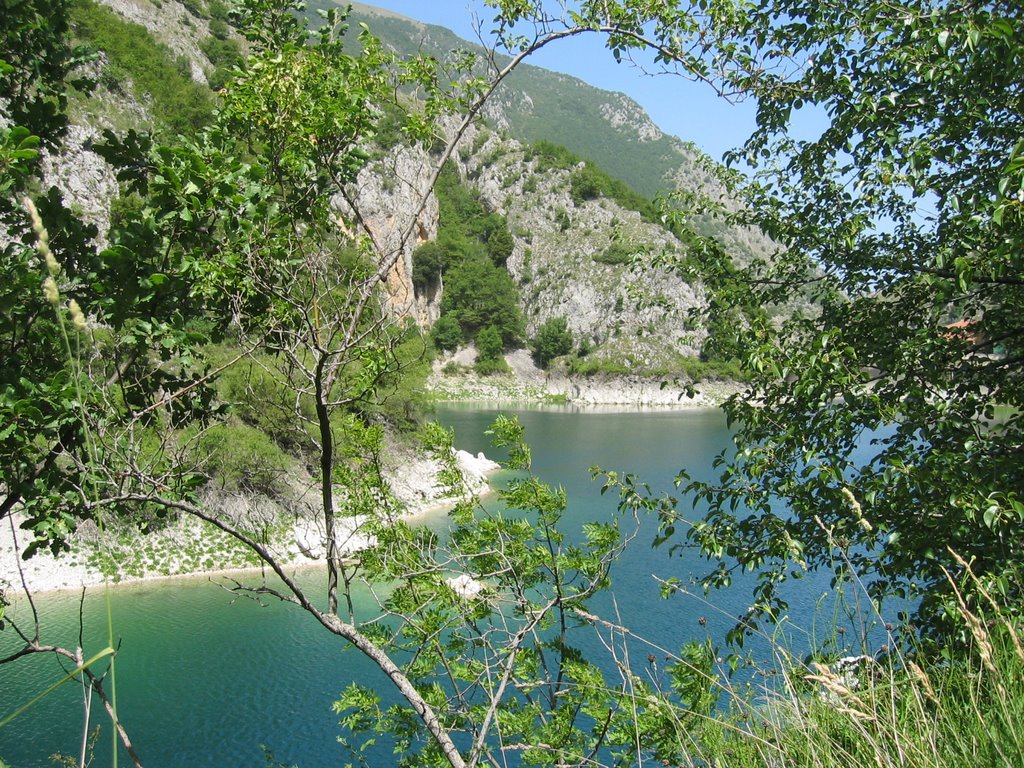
(585, 259)
(581, 258)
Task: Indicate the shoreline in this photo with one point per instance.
(81, 567)
(453, 380)
(413, 482)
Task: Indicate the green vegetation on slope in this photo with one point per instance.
(139, 64)
(566, 111)
(470, 254)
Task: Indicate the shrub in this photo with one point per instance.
(584, 184)
(446, 333)
(427, 261)
(239, 457)
(595, 366)
(489, 367)
(553, 339)
(224, 54)
(259, 396)
(499, 241)
(489, 344)
(219, 29)
(614, 255)
(218, 10)
(562, 220)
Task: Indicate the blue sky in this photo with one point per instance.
(688, 110)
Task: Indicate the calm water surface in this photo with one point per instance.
(205, 679)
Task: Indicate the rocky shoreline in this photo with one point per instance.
(191, 547)
(454, 380)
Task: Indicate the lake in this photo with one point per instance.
(206, 678)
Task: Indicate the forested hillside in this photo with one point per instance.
(634, 319)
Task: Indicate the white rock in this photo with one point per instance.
(465, 586)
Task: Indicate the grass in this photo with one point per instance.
(136, 61)
(900, 709)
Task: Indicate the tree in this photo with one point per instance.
(427, 264)
(238, 235)
(489, 350)
(446, 333)
(901, 222)
(499, 240)
(489, 344)
(479, 294)
(553, 339)
(47, 264)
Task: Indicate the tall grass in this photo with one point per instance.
(73, 328)
(964, 708)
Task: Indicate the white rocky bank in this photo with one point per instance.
(452, 379)
(193, 548)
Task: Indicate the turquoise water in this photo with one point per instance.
(205, 678)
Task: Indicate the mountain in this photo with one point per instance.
(607, 128)
(536, 104)
(573, 230)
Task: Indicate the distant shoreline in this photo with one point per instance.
(454, 380)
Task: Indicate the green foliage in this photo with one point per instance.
(195, 7)
(474, 246)
(488, 366)
(446, 333)
(590, 181)
(478, 294)
(498, 239)
(224, 54)
(901, 216)
(508, 592)
(489, 344)
(584, 184)
(46, 263)
(489, 348)
(427, 264)
(224, 235)
(35, 59)
(889, 280)
(553, 339)
(219, 29)
(594, 366)
(615, 254)
(399, 396)
(239, 457)
(157, 78)
(389, 128)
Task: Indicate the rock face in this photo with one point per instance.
(83, 178)
(623, 113)
(572, 259)
(394, 199)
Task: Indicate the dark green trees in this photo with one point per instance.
(478, 294)
(553, 339)
(469, 255)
